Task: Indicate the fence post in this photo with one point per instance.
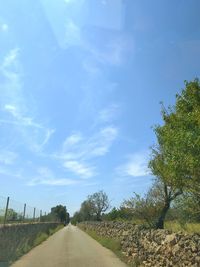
(24, 212)
(40, 215)
(34, 215)
(6, 211)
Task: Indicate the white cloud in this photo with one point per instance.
(22, 120)
(91, 67)
(96, 145)
(4, 27)
(10, 59)
(4, 171)
(108, 114)
(78, 151)
(103, 141)
(51, 182)
(72, 140)
(136, 166)
(8, 157)
(72, 33)
(114, 52)
(15, 106)
(79, 168)
(49, 133)
(45, 176)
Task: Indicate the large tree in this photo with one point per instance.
(60, 213)
(176, 157)
(99, 202)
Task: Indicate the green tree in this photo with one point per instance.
(187, 208)
(12, 215)
(175, 158)
(87, 210)
(77, 218)
(147, 208)
(99, 203)
(60, 213)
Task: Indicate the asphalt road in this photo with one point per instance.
(69, 247)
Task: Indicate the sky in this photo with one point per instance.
(81, 83)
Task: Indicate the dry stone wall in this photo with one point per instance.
(155, 248)
(14, 238)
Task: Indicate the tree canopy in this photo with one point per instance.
(60, 213)
(176, 156)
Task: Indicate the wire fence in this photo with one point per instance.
(12, 211)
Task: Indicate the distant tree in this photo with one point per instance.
(60, 213)
(87, 210)
(67, 218)
(77, 218)
(99, 203)
(12, 215)
(112, 215)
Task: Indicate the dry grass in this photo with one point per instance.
(190, 228)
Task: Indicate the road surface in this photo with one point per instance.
(69, 247)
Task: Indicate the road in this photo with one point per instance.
(69, 247)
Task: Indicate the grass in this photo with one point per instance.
(190, 228)
(41, 237)
(110, 243)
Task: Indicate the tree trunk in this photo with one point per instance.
(161, 219)
(98, 216)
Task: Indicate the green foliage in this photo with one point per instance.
(76, 218)
(147, 208)
(187, 208)
(120, 214)
(40, 238)
(176, 159)
(12, 215)
(60, 213)
(99, 203)
(87, 210)
(92, 208)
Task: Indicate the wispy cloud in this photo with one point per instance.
(110, 113)
(6, 171)
(14, 106)
(78, 151)
(51, 182)
(96, 145)
(79, 168)
(136, 165)
(72, 140)
(46, 177)
(4, 27)
(72, 33)
(114, 51)
(8, 157)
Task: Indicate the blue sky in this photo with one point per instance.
(80, 87)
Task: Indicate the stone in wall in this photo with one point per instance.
(153, 248)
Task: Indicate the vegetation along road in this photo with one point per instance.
(69, 247)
